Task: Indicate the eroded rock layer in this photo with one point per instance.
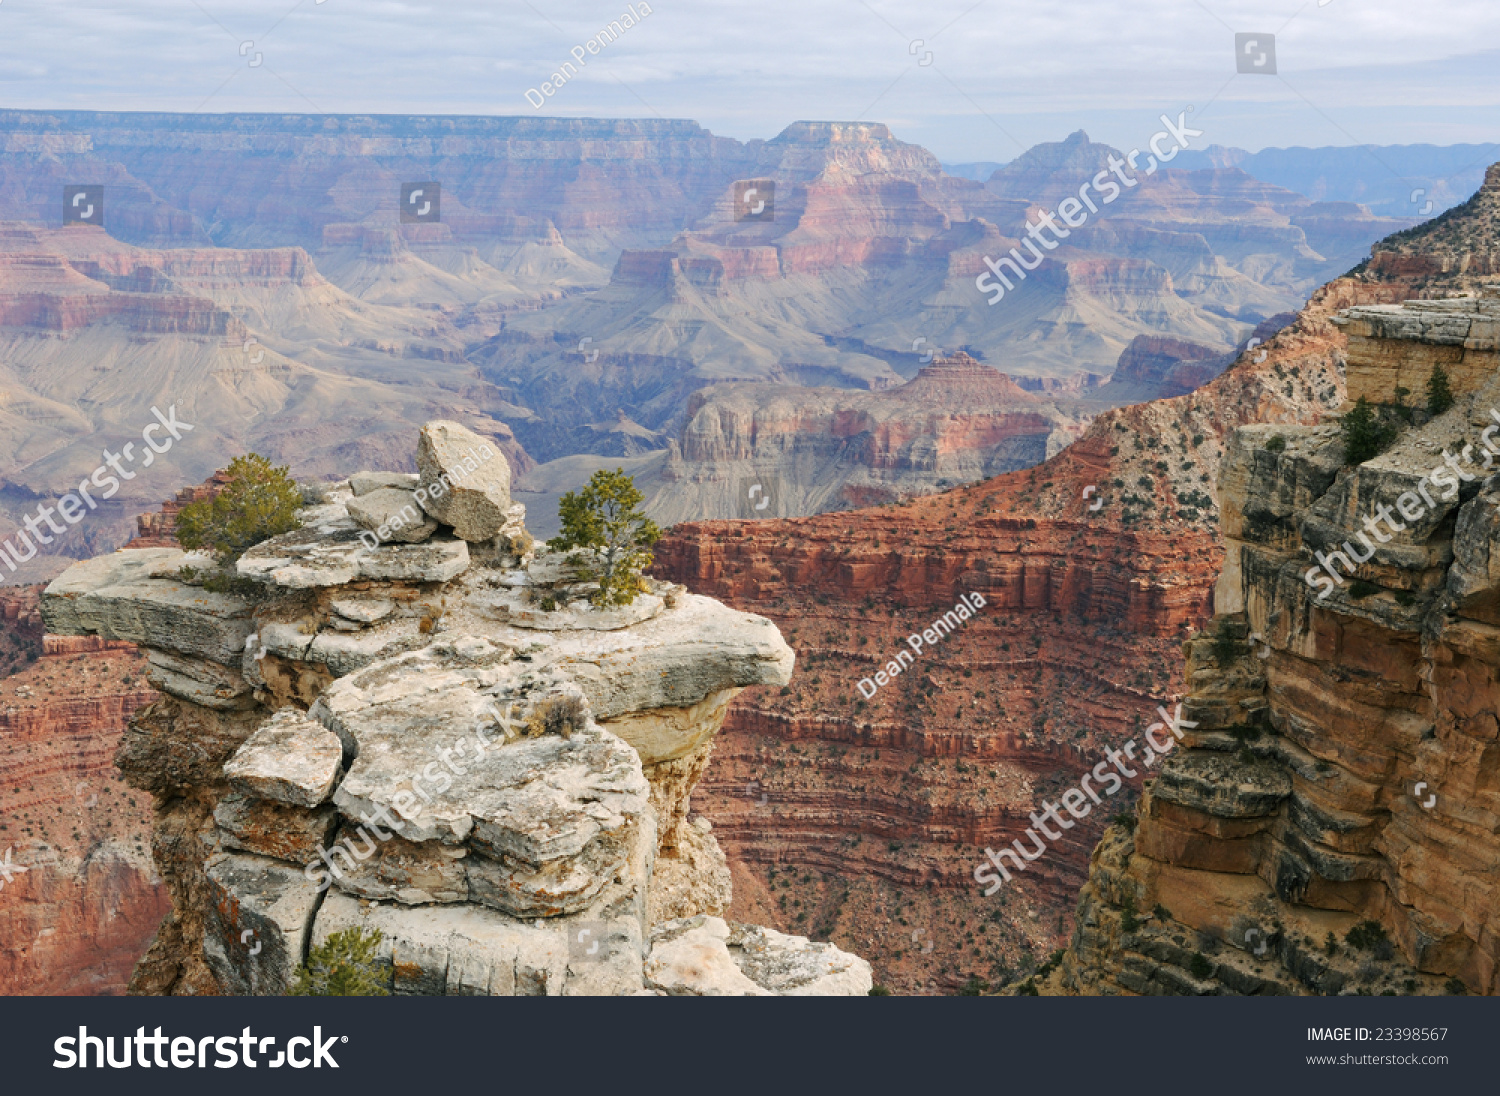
(440, 739)
(1330, 825)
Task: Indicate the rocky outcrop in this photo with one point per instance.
(1395, 347)
(444, 741)
(1328, 824)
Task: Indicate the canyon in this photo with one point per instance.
(589, 291)
(708, 356)
(87, 904)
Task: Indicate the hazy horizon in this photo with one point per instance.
(968, 81)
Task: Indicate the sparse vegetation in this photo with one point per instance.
(559, 716)
(1276, 443)
(1439, 395)
(1364, 435)
(345, 966)
(610, 539)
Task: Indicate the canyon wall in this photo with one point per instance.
(1328, 824)
(88, 901)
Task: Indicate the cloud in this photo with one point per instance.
(1350, 71)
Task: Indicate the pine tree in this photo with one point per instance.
(603, 520)
(259, 500)
(345, 966)
(1364, 438)
(1439, 395)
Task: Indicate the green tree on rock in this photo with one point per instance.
(1364, 437)
(345, 966)
(258, 501)
(609, 537)
(1439, 395)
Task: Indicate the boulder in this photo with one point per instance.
(290, 759)
(392, 513)
(707, 957)
(465, 480)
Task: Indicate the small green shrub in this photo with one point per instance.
(1276, 443)
(879, 991)
(1365, 936)
(1199, 966)
(258, 501)
(974, 987)
(345, 966)
(603, 519)
(1439, 395)
(1359, 589)
(1129, 919)
(1364, 436)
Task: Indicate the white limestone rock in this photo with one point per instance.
(471, 951)
(363, 483)
(121, 596)
(465, 480)
(392, 514)
(290, 758)
(555, 817)
(330, 553)
(707, 957)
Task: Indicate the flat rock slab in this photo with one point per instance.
(121, 596)
(465, 480)
(392, 514)
(256, 919)
(291, 759)
(522, 608)
(673, 660)
(269, 828)
(470, 951)
(708, 957)
(330, 553)
(362, 483)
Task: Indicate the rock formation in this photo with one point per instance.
(82, 901)
(441, 740)
(1393, 347)
(1093, 561)
(1329, 826)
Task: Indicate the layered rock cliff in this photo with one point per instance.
(1328, 825)
(82, 901)
(390, 726)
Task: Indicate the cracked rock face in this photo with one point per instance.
(465, 481)
(1329, 825)
(402, 738)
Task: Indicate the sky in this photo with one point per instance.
(970, 81)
